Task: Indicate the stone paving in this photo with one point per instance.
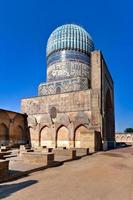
(18, 166)
(101, 176)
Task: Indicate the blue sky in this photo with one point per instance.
(25, 26)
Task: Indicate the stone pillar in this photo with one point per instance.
(71, 143)
(11, 132)
(96, 85)
(53, 131)
(34, 134)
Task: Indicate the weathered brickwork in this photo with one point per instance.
(67, 102)
(72, 119)
(13, 130)
(68, 85)
(124, 137)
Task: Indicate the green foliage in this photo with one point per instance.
(128, 130)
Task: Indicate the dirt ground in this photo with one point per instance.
(101, 176)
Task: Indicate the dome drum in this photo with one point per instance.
(68, 55)
(67, 69)
(68, 60)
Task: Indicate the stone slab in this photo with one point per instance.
(38, 157)
(81, 151)
(65, 152)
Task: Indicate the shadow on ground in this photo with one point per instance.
(122, 145)
(7, 189)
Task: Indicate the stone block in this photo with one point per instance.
(47, 150)
(25, 151)
(81, 151)
(2, 154)
(24, 147)
(38, 158)
(65, 152)
(4, 165)
(4, 148)
(50, 149)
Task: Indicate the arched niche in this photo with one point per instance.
(45, 138)
(129, 139)
(118, 138)
(4, 134)
(109, 122)
(62, 137)
(78, 136)
(18, 120)
(58, 90)
(18, 134)
(123, 139)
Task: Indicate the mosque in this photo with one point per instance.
(75, 107)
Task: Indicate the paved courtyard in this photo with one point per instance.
(102, 176)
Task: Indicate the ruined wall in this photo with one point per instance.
(102, 99)
(124, 137)
(52, 120)
(12, 128)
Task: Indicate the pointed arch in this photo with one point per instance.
(62, 137)
(45, 136)
(118, 138)
(77, 135)
(4, 118)
(129, 139)
(4, 134)
(123, 139)
(18, 134)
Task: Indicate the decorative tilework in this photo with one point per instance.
(67, 69)
(67, 85)
(68, 55)
(69, 36)
(68, 60)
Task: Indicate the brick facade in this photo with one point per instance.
(73, 118)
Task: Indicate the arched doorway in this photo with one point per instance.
(80, 134)
(62, 137)
(118, 138)
(123, 139)
(109, 118)
(45, 137)
(4, 134)
(129, 139)
(58, 90)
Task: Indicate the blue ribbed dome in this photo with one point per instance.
(69, 37)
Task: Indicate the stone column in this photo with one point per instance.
(11, 139)
(71, 143)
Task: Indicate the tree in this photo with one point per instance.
(128, 130)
